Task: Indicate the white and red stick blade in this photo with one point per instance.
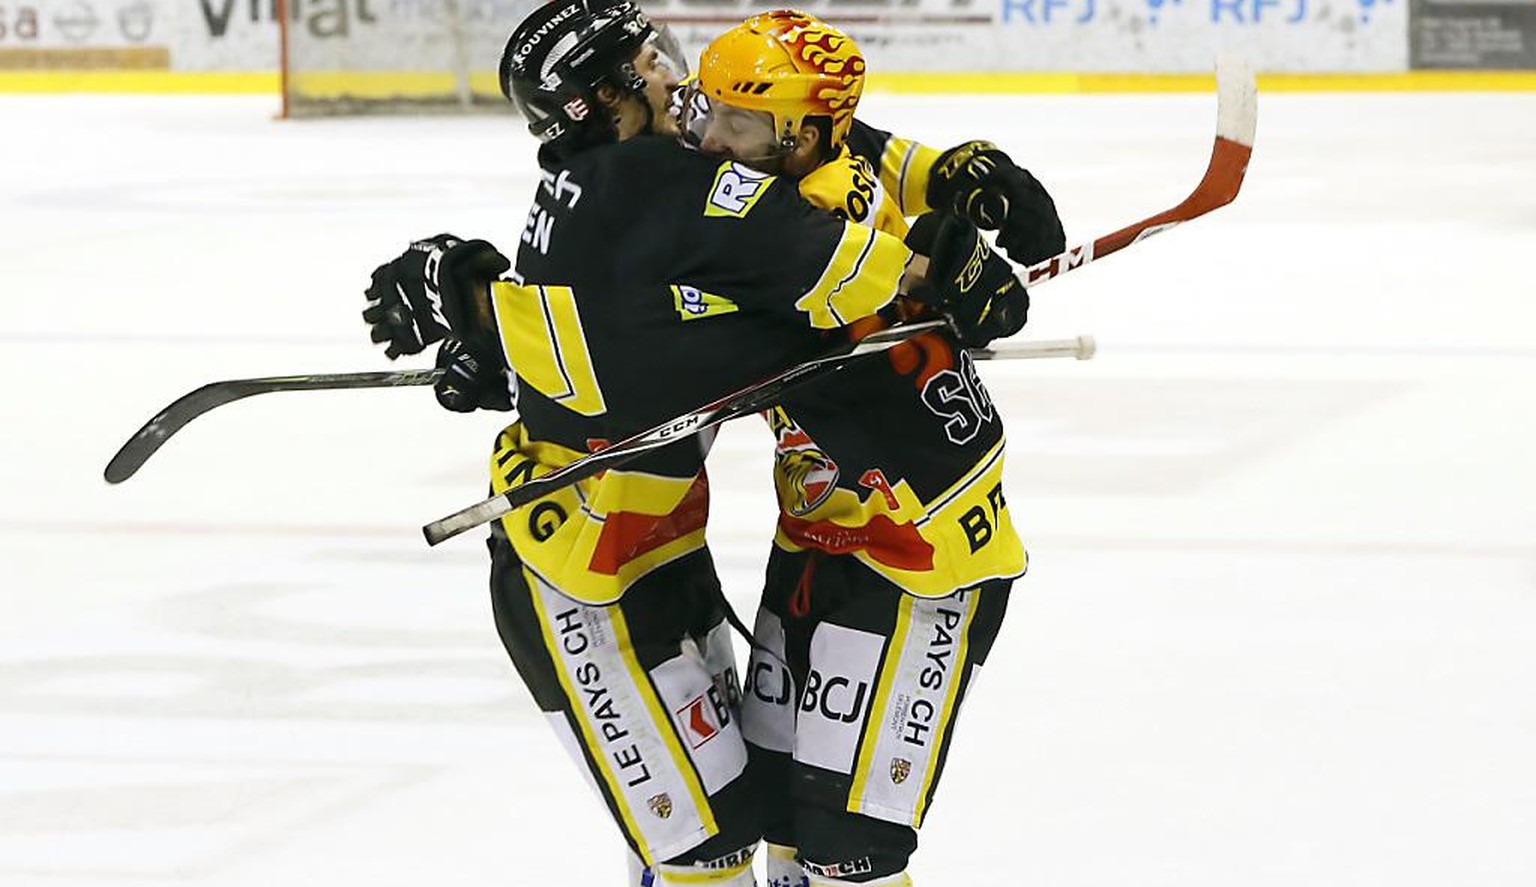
(1236, 122)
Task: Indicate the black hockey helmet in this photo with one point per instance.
(562, 52)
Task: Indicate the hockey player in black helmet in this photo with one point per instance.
(589, 73)
(632, 301)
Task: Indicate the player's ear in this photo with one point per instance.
(808, 140)
(609, 95)
(806, 155)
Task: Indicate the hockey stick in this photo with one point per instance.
(189, 406)
(1236, 118)
(751, 399)
(148, 440)
(1082, 348)
(1236, 122)
(748, 400)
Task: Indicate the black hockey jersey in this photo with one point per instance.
(652, 280)
(898, 459)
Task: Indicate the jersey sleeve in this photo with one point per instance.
(543, 340)
(903, 165)
(859, 277)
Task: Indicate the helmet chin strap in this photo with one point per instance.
(780, 151)
(775, 158)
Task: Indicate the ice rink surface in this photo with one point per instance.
(1280, 623)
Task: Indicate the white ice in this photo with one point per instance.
(1279, 630)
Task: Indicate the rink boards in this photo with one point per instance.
(1029, 46)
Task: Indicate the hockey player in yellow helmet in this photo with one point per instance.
(778, 93)
(858, 557)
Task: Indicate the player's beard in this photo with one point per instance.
(772, 164)
(659, 124)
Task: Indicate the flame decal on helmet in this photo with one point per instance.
(789, 64)
(829, 52)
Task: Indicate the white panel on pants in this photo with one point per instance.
(699, 688)
(768, 695)
(839, 689)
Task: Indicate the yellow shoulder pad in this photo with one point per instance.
(848, 187)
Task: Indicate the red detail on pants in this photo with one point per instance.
(800, 601)
(627, 535)
(887, 542)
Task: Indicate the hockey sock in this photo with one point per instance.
(784, 870)
(738, 875)
(733, 870)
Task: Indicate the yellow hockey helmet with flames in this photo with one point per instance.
(790, 65)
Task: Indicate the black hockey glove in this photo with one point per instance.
(471, 381)
(978, 181)
(966, 280)
(436, 287)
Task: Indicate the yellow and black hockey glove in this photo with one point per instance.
(980, 182)
(966, 281)
(437, 287)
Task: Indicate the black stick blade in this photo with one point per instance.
(148, 440)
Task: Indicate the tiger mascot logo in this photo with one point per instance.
(804, 474)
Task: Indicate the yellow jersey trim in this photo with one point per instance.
(887, 679)
(904, 169)
(543, 338)
(591, 740)
(962, 650)
(570, 536)
(859, 280)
